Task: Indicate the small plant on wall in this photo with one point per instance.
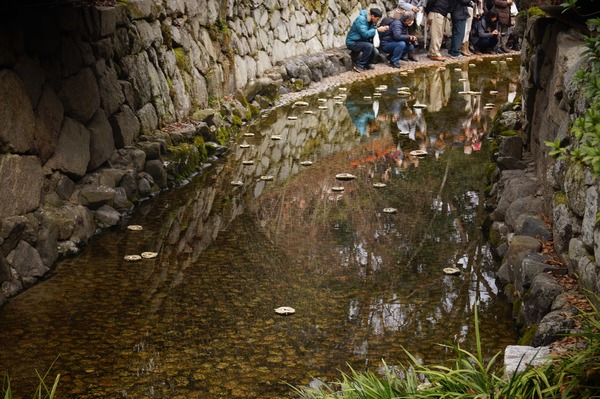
(586, 129)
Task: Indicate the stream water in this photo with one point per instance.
(198, 321)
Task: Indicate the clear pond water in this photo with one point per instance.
(198, 321)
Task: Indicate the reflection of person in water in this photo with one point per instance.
(439, 89)
(362, 114)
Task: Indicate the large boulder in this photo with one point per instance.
(538, 300)
(49, 116)
(126, 127)
(94, 197)
(17, 121)
(72, 154)
(518, 358)
(80, 95)
(21, 180)
(102, 143)
(27, 261)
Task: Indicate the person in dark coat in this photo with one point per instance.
(502, 7)
(459, 15)
(485, 33)
(360, 37)
(397, 41)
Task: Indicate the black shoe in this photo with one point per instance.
(412, 58)
(358, 68)
(396, 64)
(404, 58)
(370, 66)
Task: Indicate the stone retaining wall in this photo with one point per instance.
(544, 224)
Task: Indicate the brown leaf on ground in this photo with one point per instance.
(546, 219)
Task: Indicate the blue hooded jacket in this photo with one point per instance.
(361, 29)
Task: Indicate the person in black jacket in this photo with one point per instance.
(397, 41)
(459, 14)
(485, 34)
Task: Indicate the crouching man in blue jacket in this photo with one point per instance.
(360, 38)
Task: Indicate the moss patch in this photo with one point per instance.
(527, 335)
(183, 160)
(536, 12)
(180, 58)
(560, 198)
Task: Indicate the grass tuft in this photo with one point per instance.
(575, 374)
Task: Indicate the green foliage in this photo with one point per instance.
(580, 369)
(585, 129)
(568, 4)
(236, 120)
(223, 135)
(42, 391)
(201, 146)
(535, 12)
(573, 375)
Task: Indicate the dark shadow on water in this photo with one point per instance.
(198, 321)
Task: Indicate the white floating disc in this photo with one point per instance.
(451, 271)
(135, 227)
(345, 176)
(285, 310)
(418, 153)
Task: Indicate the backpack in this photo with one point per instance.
(488, 4)
(386, 21)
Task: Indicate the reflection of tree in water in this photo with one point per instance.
(387, 268)
(390, 265)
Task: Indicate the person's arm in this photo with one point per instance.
(399, 32)
(410, 5)
(365, 29)
(405, 5)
